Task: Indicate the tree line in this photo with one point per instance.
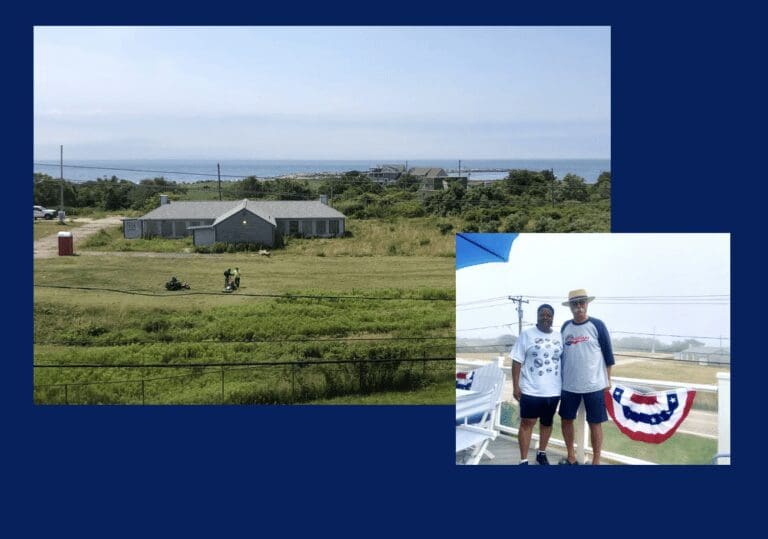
(524, 201)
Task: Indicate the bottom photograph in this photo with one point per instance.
(593, 349)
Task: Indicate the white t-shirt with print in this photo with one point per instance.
(539, 353)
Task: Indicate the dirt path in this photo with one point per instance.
(48, 246)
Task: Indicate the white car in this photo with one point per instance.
(43, 213)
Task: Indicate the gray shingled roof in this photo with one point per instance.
(427, 172)
(267, 209)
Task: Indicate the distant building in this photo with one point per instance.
(243, 221)
(431, 178)
(386, 174)
(704, 355)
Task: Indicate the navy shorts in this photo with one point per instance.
(594, 403)
(542, 408)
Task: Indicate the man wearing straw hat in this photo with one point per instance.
(587, 359)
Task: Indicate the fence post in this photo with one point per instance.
(581, 434)
(724, 417)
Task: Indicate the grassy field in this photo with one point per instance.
(42, 228)
(113, 310)
(422, 237)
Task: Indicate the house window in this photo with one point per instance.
(306, 228)
(293, 227)
(320, 227)
(333, 227)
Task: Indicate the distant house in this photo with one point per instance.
(386, 174)
(431, 177)
(705, 354)
(243, 221)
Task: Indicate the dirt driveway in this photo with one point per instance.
(48, 246)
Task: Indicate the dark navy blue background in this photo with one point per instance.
(683, 94)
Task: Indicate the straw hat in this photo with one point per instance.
(578, 295)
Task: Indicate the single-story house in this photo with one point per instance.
(237, 221)
(386, 174)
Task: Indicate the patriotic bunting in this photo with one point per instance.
(648, 417)
(464, 379)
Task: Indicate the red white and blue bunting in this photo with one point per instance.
(648, 417)
(464, 379)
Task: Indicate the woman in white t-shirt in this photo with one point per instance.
(537, 382)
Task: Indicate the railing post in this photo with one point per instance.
(724, 417)
(581, 434)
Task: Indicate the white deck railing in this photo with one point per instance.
(722, 389)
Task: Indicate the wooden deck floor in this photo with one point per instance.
(506, 451)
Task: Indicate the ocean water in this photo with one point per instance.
(197, 170)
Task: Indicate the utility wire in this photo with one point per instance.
(297, 362)
(241, 341)
(666, 335)
(279, 296)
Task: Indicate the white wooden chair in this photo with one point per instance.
(490, 376)
(473, 438)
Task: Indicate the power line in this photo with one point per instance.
(75, 342)
(665, 335)
(297, 362)
(279, 296)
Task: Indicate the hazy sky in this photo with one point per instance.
(322, 92)
(679, 268)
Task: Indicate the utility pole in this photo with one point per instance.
(653, 341)
(519, 300)
(218, 173)
(61, 177)
(552, 171)
(459, 168)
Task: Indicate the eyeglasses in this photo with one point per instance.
(578, 302)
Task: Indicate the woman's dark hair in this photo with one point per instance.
(545, 306)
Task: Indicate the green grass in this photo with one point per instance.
(43, 228)
(280, 273)
(434, 394)
(426, 236)
(119, 325)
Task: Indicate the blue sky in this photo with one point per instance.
(322, 92)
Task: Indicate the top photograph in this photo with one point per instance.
(267, 215)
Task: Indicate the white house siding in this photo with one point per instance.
(255, 229)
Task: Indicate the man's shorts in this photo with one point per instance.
(594, 403)
(542, 408)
